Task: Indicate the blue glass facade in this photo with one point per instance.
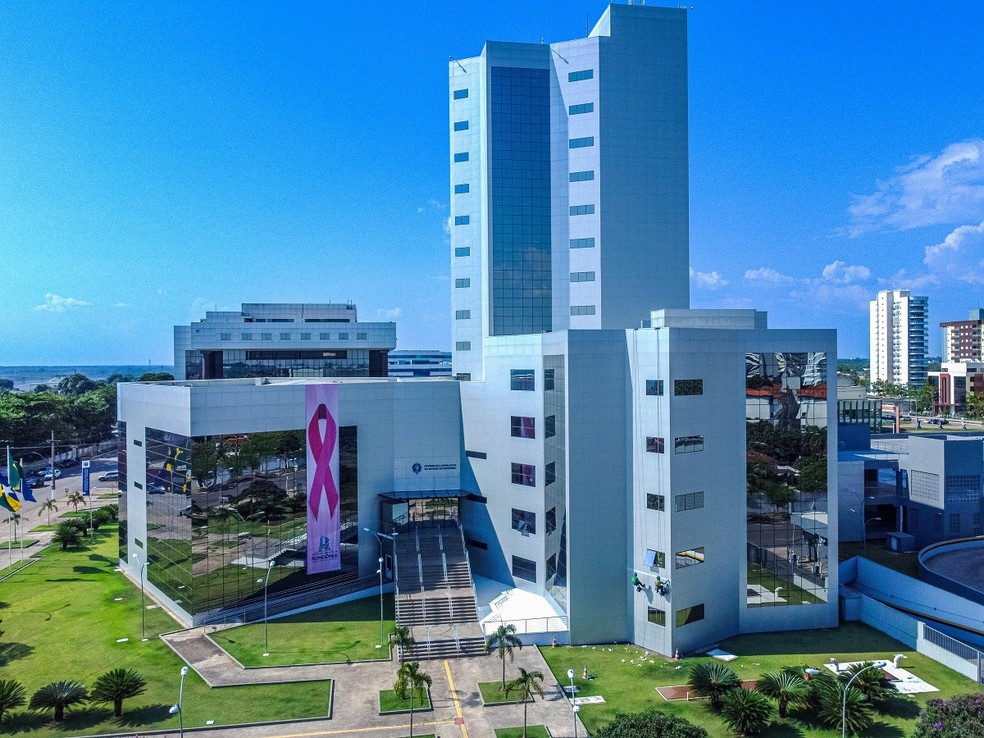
(519, 169)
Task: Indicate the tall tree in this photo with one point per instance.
(404, 641)
(46, 507)
(526, 684)
(410, 680)
(503, 641)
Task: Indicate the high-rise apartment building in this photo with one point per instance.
(963, 340)
(569, 181)
(899, 337)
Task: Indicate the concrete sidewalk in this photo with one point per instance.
(456, 701)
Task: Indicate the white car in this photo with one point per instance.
(48, 474)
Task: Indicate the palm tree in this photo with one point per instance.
(857, 708)
(527, 682)
(75, 499)
(785, 687)
(712, 680)
(871, 682)
(12, 695)
(67, 535)
(411, 680)
(745, 711)
(404, 641)
(46, 507)
(117, 685)
(503, 641)
(57, 696)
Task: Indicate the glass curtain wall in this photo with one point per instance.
(786, 467)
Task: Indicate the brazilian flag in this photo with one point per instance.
(9, 500)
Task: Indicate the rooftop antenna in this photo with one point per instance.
(451, 58)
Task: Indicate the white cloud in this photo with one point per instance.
(122, 305)
(708, 280)
(58, 304)
(436, 204)
(768, 274)
(903, 280)
(930, 190)
(838, 271)
(960, 256)
(389, 313)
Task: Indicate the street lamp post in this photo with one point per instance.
(143, 609)
(266, 622)
(575, 708)
(176, 709)
(380, 537)
(875, 665)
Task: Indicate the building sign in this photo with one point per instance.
(323, 508)
(85, 478)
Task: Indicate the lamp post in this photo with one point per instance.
(380, 537)
(176, 709)
(266, 622)
(575, 708)
(143, 609)
(875, 665)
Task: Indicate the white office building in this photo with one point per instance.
(899, 337)
(642, 471)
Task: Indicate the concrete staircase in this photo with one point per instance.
(435, 597)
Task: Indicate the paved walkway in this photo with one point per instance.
(457, 705)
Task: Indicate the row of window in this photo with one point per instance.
(525, 379)
(525, 427)
(683, 617)
(289, 336)
(681, 387)
(681, 445)
(524, 521)
(681, 503)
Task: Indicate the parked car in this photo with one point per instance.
(35, 481)
(110, 476)
(49, 474)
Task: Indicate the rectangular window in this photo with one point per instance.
(462, 314)
(322, 336)
(582, 309)
(688, 501)
(689, 615)
(462, 219)
(462, 282)
(690, 557)
(522, 426)
(582, 209)
(462, 251)
(550, 426)
(247, 336)
(461, 189)
(688, 444)
(524, 569)
(460, 94)
(655, 559)
(461, 156)
(580, 109)
(954, 524)
(477, 544)
(462, 345)
(654, 387)
(549, 473)
(582, 276)
(654, 445)
(286, 336)
(461, 125)
(551, 565)
(585, 176)
(476, 454)
(688, 387)
(655, 502)
(522, 379)
(582, 243)
(361, 336)
(524, 474)
(524, 521)
(548, 379)
(656, 616)
(225, 336)
(305, 336)
(575, 143)
(343, 336)
(463, 376)
(551, 519)
(580, 75)
(266, 336)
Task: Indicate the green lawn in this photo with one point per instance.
(627, 677)
(532, 731)
(389, 701)
(792, 594)
(328, 635)
(63, 617)
(494, 694)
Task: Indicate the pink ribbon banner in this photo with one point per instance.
(323, 515)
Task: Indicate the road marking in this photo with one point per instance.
(454, 698)
(352, 731)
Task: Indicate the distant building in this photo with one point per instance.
(953, 382)
(420, 363)
(282, 340)
(963, 340)
(899, 338)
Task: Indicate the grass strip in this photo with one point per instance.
(389, 701)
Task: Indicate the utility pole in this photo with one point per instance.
(52, 465)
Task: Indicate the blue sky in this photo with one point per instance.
(159, 160)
